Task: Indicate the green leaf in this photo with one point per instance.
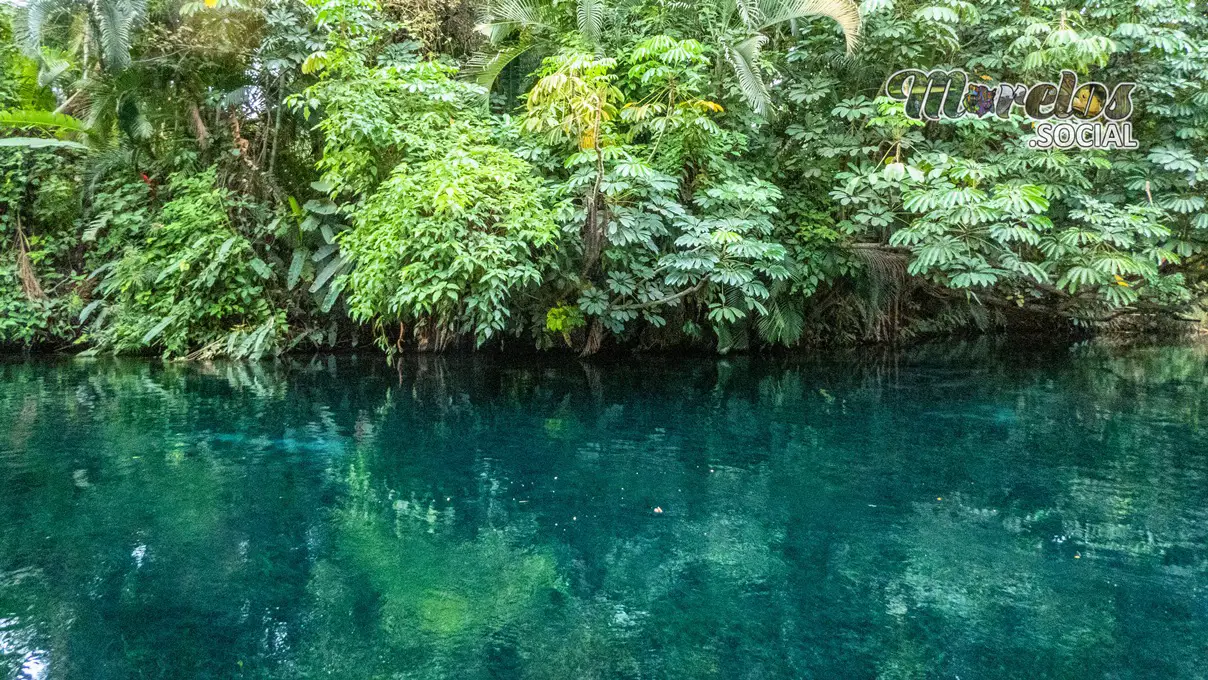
(225, 248)
(846, 13)
(159, 328)
(590, 17)
(261, 268)
(47, 120)
(89, 309)
(321, 207)
(329, 271)
(484, 67)
(295, 268)
(333, 293)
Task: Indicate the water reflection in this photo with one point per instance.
(950, 511)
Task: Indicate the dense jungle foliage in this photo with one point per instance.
(247, 177)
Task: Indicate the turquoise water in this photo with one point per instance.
(949, 512)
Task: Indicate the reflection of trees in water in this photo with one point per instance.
(151, 543)
(398, 588)
(468, 516)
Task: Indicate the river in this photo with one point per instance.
(950, 511)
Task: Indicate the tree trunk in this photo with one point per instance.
(199, 127)
(25, 268)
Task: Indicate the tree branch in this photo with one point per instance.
(665, 300)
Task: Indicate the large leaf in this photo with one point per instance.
(334, 266)
(57, 123)
(89, 309)
(295, 268)
(159, 328)
(46, 120)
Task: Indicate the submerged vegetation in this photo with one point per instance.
(246, 177)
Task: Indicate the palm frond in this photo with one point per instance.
(100, 112)
(115, 102)
(37, 13)
(52, 67)
(784, 322)
(236, 97)
(590, 14)
(115, 19)
(878, 292)
(495, 31)
(134, 122)
(750, 13)
(846, 13)
(744, 57)
(505, 16)
(484, 67)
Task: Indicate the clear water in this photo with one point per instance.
(949, 512)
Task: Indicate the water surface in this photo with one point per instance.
(948, 512)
